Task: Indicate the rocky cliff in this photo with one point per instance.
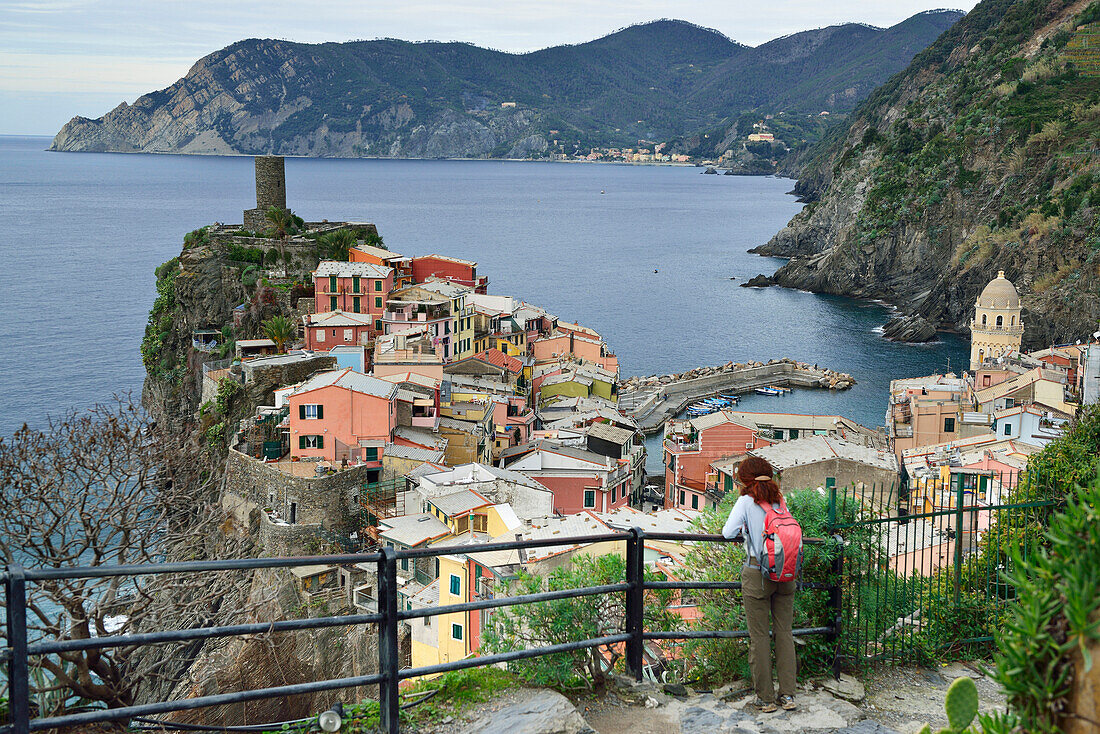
(980, 156)
(393, 98)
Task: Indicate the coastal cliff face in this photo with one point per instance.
(979, 157)
(392, 98)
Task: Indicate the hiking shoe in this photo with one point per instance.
(764, 707)
(787, 703)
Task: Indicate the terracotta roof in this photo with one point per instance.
(500, 359)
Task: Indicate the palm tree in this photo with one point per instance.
(283, 224)
(280, 330)
(339, 242)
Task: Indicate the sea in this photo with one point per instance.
(652, 257)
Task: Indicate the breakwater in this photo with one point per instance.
(653, 400)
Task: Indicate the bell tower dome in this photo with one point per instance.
(997, 328)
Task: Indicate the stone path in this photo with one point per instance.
(895, 701)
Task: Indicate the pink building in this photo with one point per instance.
(334, 328)
(342, 415)
(580, 480)
(352, 287)
(692, 446)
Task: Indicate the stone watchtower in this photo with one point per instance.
(997, 328)
(270, 190)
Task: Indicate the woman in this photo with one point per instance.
(763, 597)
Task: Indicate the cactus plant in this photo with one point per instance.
(961, 703)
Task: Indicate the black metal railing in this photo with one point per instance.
(20, 650)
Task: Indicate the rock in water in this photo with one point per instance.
(910, 328)
(713, 171)
(530, 711)
(760, 281)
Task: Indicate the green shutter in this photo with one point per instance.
(320, 442)
(456, 585)
(372, 454)
(332, 284)
(320, 412)
(302, 412)
(378, 301)
(301, 442)
(377, 285)
(355, 284)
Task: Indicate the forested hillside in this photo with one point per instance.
(981, 156)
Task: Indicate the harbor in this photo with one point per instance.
(651, 401)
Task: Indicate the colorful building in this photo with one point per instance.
(462, 272)
(342, 415)
(352, 287)
(691, 447)
(335, 328)
(579, 479)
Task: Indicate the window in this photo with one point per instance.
(355, 284)
(682, 497)
(349, 335)
(983, 319)
(1013, 320)
(372, 453)
(1010, 402)
(320, 335)
(377, 285)
(948, 425)
(794, 433)
(728, 482)
(332, 303)
(355, 304)
(378, 301)
(695, 502)
(589, 498)
(1000, 321)
(332, 284)
(985, 380)
(1008, 429)
(378, 324)
(311, 412)
(456, 585)
(311, 442)
(456, 631)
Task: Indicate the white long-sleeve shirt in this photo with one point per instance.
(747, 520)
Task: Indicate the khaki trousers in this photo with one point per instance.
(768, 603)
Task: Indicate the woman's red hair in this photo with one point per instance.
(761, 490)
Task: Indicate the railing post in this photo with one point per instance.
(832, 508)
(388, 654)
(635, 601)
(836, 603)
(958, 538)
(15, 589)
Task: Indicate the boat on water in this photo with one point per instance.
(730, 397)
(768, 391)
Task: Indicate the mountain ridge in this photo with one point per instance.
(653, 81)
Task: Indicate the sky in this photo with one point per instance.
(60, 58)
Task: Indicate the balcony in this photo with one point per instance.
(1009, 330)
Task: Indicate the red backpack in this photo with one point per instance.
(782, 559)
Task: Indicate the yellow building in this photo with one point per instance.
(463, 578)
(997, 328)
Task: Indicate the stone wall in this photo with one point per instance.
(327, 502)
(847, 474)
